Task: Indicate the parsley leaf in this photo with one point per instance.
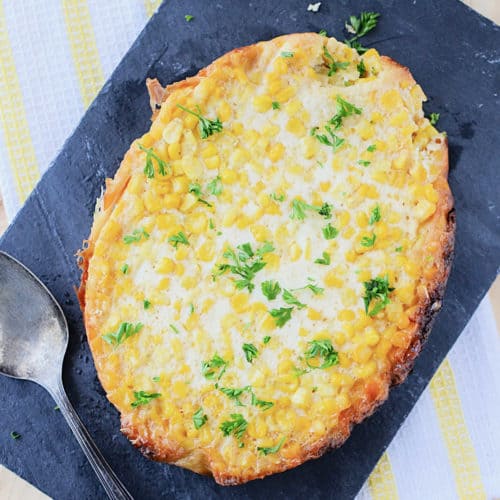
(281, 315)
(143, 398)
(433, 118)
(275, 105)
(174, 328)
(207, 127)
(271, 449)
(298, 372)
(324, 350)
(399, 249)
(235, 394)
(299, 208)
(195, 188)
(125, 330)
(236, 426)
(136, 236)
(364, 163)
(214, 368)
(290, 298)
(316, 290)
(368, 241)
(361, 68)
(250, 351)
(15, 435)
(323, 33)
(333, 66)
(277, 197)
(325, 260)
(287, 54)
(178, 238)
(156, 379)
(270, 289)
(265, 405)
(199, 418)
(266, 339)
(334, 140)
(149, 169)
(376, 289)
(188, 18)
(371, 148)
(375, 215)
(330, 232)
(124, 269)
(215, 186)
(146, 304)
(360, 26)
(344, 109)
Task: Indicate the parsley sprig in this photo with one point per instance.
(214, 368)
(344, 109)
(322, 349)
(143, 398)
(360, 26)
(149, 169)
(376, 290)
(332, 140)
(125, 330)
(250, 351)
(195, 188)
(137, 235)
(272, 449)
(299, 208)
(291, 299)
(375, 215)
(270, 289)
(207, 126)
(281, 315)
(368, 241)
(177, 239)
(236, 426)
(199, 418)
(333, 65)
(324, 260)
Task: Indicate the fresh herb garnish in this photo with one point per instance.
(368, 241)
(125, 330)
(15, 435)
(277, 197)
(124, 269)
(344, 109)
(399, 249)
(364, 163)
(236, 426)
(272, 449)
(250, 351)
(207, 127)
(281, 315)
(143, 398)
(245, 263)
(199, 418)
(299, 208)
(215, 186)
(146, 304)
(329, 232)
(275, 105)
(214, 369)
(264, 405)
(361, 68)
(149, 169)
(325, 260)
(291, 299)
(270, 289)
(334, 141)
(136, 236)
(195, 188)
(298, 372)
(174, 328)
(156, 379)
(287, 54)
(433, 118)
(333, 66)
(375, 215)
(324, 350)
(316, 290)
(322, 33)
(376, 289)
(266, 339)
(188, 17)
(371, 148)
(360, 26)
(177, 239)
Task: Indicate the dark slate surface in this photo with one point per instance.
(453, 52)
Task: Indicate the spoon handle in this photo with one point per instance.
(110, 482)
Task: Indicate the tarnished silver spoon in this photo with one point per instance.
(33, 341)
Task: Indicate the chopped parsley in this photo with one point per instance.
(266, 339)
(368, 241)
(124, 269)
(272, 449)
(371, 148)
(323, 33)
(215, 186)
(199, 418)
(143, 398)
(156, 379)
(281, 315)
(360, 26)
(207, 127)
(271, 289)
(375, 215)
(324, 350)
(277, 197)
(361, 68)
(364, 163)
(149, 169)
(291, 299)
(264, 405)
(299, 208)
(195, 188)
(146, 304)
(188, 18)
(344, 109)
(125, 330)
(433, 118)
(330, 232)
(334, 140)
(399, 249)
(137, 235)
(325, 260)
(245, 263)
(177, 239)
(250, 351)
(287, 54)
(214, 369)
(235, 394)
(275, 105)
(376, 290)
(174, 328)
(298, 372)
(15, 435)
(316, 290)
(333, 66)
(236, 426)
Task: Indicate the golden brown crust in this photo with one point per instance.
(439, 236)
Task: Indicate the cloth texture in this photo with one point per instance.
(54, 57)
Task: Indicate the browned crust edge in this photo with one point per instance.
(424, 318)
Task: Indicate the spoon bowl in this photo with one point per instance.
(33, 341)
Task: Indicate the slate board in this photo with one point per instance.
(453, 53)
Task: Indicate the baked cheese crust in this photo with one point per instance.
(268, 259)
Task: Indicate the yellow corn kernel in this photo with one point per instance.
(295, 252)
(180, 388)
(192, 167)
(296, 127)
(189, 201)
(173, 131)
(171, 201)
(346, 315)
(280, 66)
(260, 232)
(213, 162)
(400, 163)
(424, 209)
(332, 279)
(224, 111)
(313, 313)
(362, 219)
(229, 217)
(190, 121)
(276, 152)
(163, 284)
(367, 370)
(237, 128)
(430, 193)
(206, 251)
(136, 185)
(272, 261)
(376, 117)
(174, 151)
(189, 282)
(165, 266)
(371, 337)
(262, 103)
(309, 147)
(367, 131)
(405, 294)
(197, 223)
(285, 94)
(209, 150)
(348, 232)
(391, 99)
(229, 176)
(398, 119)
(182, 252)
(302, 398)
(343, 219)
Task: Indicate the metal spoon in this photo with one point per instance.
(33, 341)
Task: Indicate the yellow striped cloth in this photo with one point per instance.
(55, 56)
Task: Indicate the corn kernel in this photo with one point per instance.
(262, 103)
(313, 314)
(165, 266)
(206, 251)
(276, 152)
(174, 151)
(332, 279)
(296, 127)
(171, 201)
(346, 315)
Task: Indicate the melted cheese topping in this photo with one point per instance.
(268, 156)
